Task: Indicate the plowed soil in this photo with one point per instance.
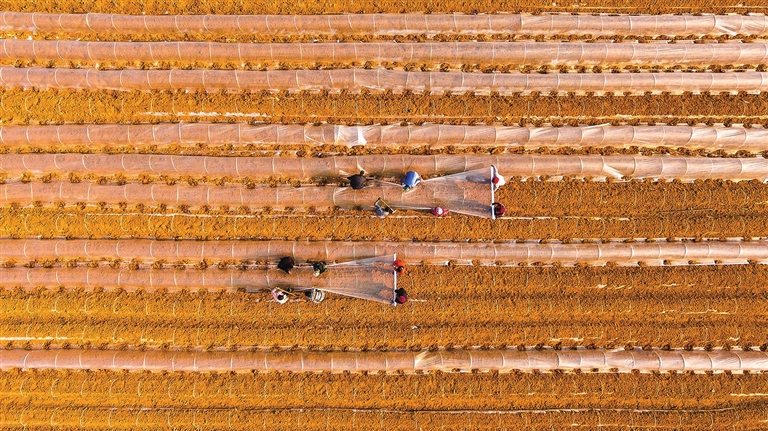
(285, 7)
(463, 306)
(325, 401)
(680, 305)
(106, 106)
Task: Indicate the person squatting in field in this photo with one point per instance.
(357, 181)
(410, 180)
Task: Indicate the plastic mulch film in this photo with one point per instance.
(371, 279)
(730, 139)
(353, 80)
(377, 166)
(502, 360)
(388, 24)
(705, 252)
(535, 54)
(468, 192)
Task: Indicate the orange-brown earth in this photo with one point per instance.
(106, 106)
(70, 400)
(286, 7)
(461, 306)
(454, 306)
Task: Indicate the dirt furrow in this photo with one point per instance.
(447, 288)
(284, 7)
(94, 223)
(509, 321)
(15, 416)
(433, 391)
(71, 106)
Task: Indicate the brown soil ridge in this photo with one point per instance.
(283, 7)
(144, 137)
(225, 223)
(534, 54)
(480, 391)
(386, 24)
(379, 80)
(337, 362)
(39, 415)
(681, 307)
(108, 106)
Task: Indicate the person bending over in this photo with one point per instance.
(357, 181)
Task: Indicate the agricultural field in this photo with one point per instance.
(158, 158)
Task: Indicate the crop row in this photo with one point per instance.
(54, 416)
(572, 198)
(721, 306)
(389, 24)
(393, 167)
(107, 106)
(163, 224)
(173, 138)
(72, 251)
(446, 287)
(535, 54)
(380, 80)
(348, 6)
(431, 391)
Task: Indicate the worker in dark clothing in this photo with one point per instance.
(286, 264)
(401, 297)
(319, 268)
(382, 209)
(399, 266)
(357, 181)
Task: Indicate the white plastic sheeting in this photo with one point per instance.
(536, 54)
(381, 166)
(388, 24)
(337, 362)
(354, 80)
(371, 279)
(430, 253)
(467, 192)
(436, 135)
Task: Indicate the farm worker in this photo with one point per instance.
(399, 266)
(280, 296)
(315, 295)
(286, 264)
(357, 181)
(439, 212)
(410, 180)
(498, 209)
(319, 268)
(497, 181)
(382, 209)
(401, 297)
